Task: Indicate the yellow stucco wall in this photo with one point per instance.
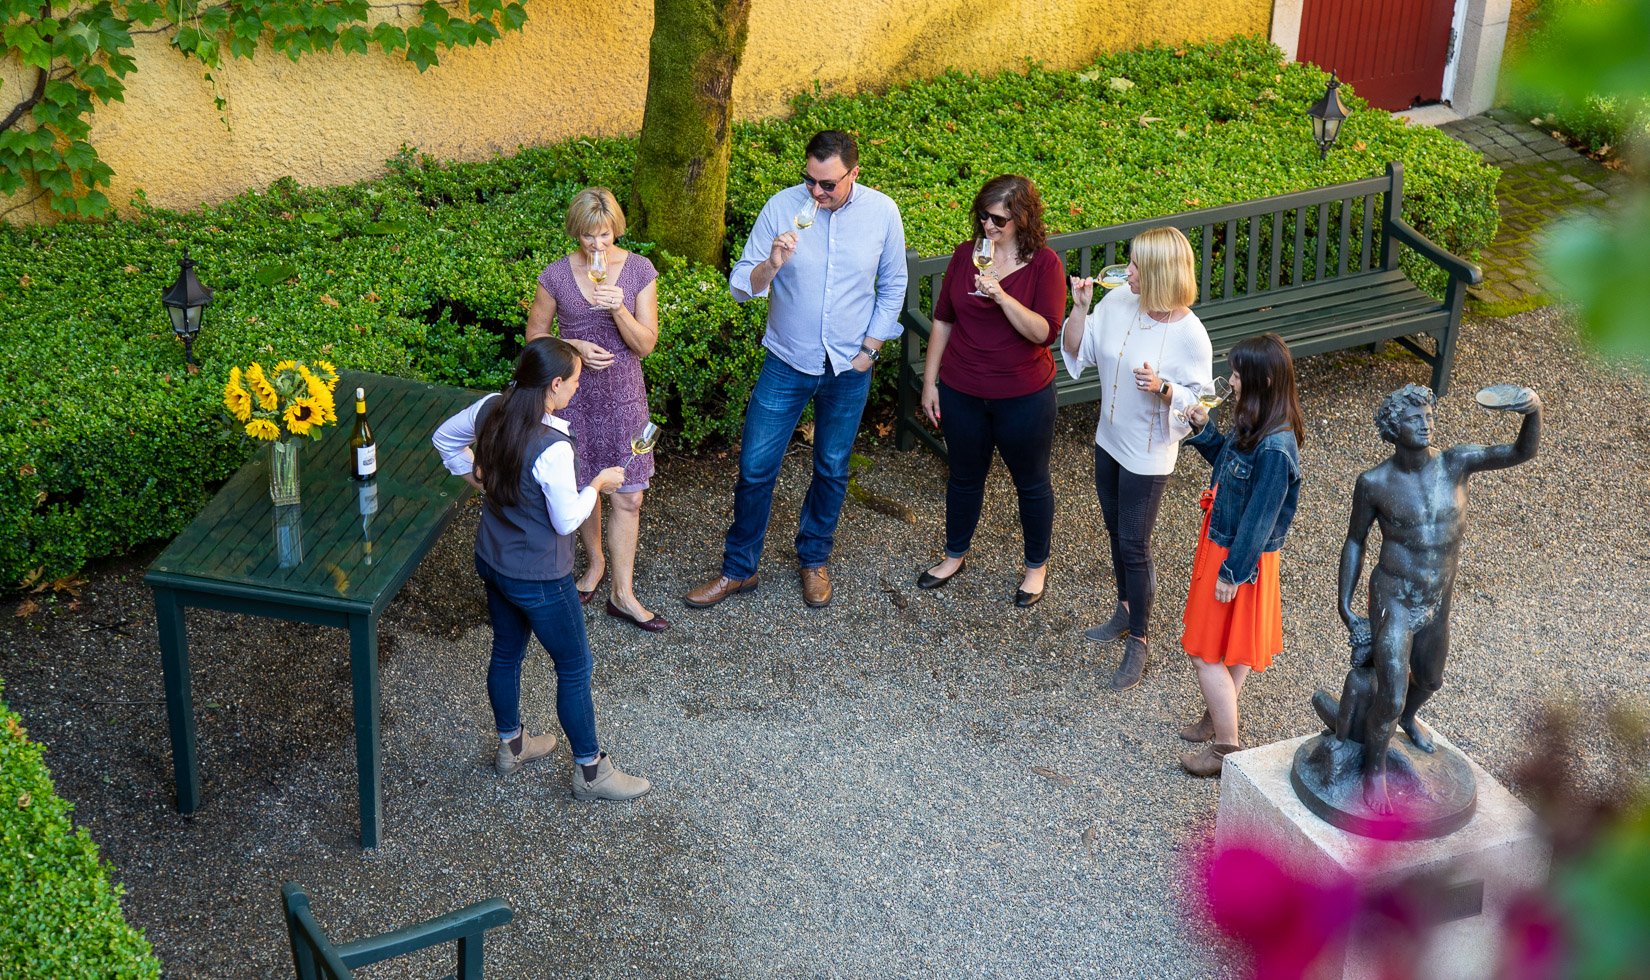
(580, 67)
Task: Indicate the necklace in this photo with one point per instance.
(1140, 320)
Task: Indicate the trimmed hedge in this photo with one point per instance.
(60, 914)
(428, 271)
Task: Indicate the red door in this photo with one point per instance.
(1392, 52)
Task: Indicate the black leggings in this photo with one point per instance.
(1022, 430)
(1129, 503)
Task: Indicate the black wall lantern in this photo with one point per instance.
(1327, 115)
(184, 301)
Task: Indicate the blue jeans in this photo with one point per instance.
(549, 610)
(776, 405)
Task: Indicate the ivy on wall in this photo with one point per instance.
(63, 59)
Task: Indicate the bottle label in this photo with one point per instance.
(366, 460)
(367, 497)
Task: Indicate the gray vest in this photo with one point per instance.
(519, 541)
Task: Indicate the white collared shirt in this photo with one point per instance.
(553, 470)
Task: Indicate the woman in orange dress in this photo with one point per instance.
(1234, 619)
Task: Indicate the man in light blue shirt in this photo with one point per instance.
(829, 254)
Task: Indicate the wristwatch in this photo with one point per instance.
(1164, 390)
(872, 354)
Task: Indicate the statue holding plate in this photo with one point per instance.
(1419, 499)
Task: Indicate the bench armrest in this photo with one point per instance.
(917, 323)
(1456, 266)
(470, 921)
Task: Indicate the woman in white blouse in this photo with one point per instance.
(519, 452)
(1152, 354)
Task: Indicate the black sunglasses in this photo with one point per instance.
(997, 219)
(825, 185)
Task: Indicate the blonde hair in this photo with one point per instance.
(1168, 274)
(593, 208)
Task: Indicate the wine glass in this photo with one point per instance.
(598, 270)
(643, 441)
(1113, 276)
(1210, 395)
(805, 217)
(983, 250)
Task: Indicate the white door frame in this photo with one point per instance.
(1474, 68)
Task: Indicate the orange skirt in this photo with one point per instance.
(1247, 631)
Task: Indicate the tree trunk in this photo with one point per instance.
(679, 197)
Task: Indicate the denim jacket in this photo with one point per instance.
(1259, 490)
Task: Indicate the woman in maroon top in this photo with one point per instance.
(988, 381)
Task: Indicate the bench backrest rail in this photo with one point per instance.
(1245, 250)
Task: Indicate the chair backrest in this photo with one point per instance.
(315, 957)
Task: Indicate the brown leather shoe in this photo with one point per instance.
(1206, 762)
(816, 586)
(717, 589)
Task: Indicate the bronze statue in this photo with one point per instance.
(1418, 497)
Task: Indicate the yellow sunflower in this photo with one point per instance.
(302, 415)
(286, 365)
(235, 397)
(261, 387)
(329, 374)
(263, 429)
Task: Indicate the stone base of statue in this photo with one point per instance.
(1472, 873)
(1431, 794)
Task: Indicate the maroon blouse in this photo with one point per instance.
(985, 356)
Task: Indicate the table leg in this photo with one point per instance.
(180, 709)
(363, 655)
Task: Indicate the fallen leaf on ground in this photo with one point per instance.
(26, 608)
(1052, 776)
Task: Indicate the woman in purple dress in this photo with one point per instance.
(612, 320)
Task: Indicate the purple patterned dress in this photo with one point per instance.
(611, 405)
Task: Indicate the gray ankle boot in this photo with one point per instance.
(1133, 665)
(1112, 628)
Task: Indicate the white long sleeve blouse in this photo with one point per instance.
(1135, 427)
(569, 506)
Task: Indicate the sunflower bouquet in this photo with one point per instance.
(291, 399)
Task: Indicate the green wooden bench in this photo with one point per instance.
(1317, 267)
(315, 957)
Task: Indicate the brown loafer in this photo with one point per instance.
(717, 589)
(816, 586)
(653, 625)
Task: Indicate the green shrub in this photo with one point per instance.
(60, 914)
(428, 271)
(1601, 122)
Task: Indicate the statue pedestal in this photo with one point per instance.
(1482, 866)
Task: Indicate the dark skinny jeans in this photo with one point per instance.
(1129, 503)
(1021, 429)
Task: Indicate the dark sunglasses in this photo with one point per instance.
(825, 185)
(997, 219)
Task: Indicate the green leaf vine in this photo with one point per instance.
(63, 59)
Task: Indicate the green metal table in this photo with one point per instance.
(337, 559)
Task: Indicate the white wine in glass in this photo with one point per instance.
(1113, 276)
(805, 218)
(598, 267)
(643, 442)
(1210, 395)
(983, 250)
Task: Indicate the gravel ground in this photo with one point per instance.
(905, 784)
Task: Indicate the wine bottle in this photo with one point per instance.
(363, 449)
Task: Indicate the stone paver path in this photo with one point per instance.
(1542, 179)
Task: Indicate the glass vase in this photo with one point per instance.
(283, 471)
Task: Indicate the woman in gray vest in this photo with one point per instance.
(513, 448)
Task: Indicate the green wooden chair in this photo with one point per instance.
(316, 958)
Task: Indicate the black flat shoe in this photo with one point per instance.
(927, 581)
(654, 625)
(1025, 600)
